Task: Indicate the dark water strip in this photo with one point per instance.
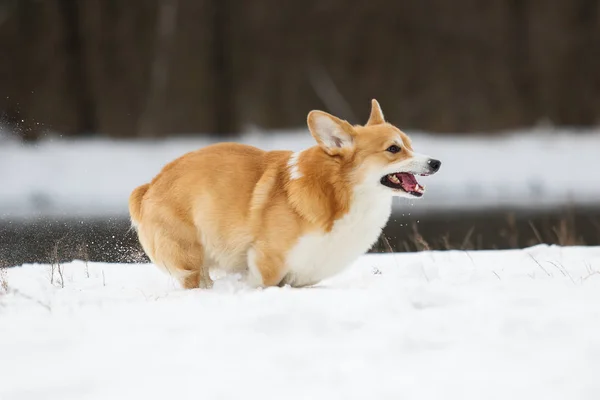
(111, 240)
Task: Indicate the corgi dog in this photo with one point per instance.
(278, 217)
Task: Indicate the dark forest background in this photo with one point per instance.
(156, 67)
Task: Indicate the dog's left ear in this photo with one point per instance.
(333, 134)
(376, 116)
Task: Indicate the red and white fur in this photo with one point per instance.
(278, 217)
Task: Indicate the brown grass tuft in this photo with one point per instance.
(55, 265)
(420, 243)
(3, 280)
(566, 233)
(512, 233)
(3, 277)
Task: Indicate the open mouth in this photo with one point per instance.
(403, 181)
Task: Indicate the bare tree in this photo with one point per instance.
(148, 125)
(78, 83)
(6, 8)
(221, 62)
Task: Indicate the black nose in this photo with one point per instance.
(434, 164)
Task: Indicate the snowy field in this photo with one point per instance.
(520, 324)
(536, 169)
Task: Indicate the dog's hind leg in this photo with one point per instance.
(199, 278)
(182, 257)
(264, 269)
(191, 268)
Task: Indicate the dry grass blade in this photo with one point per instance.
(28, 297)
(389, 248)
(536, 232)
(540, 265)
(82, 253)
(418, 240)
(328, 92)
(387, 243)
(3, 279)
(470, 258)
(62, 278)
(585, 278)
(561, 268)
(446, 242)
(565, 233)
(55, 263)
(466, 243)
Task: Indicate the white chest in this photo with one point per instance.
(317, 256)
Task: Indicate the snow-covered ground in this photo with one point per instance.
(530, 169)
(521, 324)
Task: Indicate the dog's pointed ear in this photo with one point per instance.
(333, 134)
(376, 116)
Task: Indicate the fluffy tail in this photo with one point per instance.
(135, 203)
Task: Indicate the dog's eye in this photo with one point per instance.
(393, 149)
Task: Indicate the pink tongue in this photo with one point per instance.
(409, 183)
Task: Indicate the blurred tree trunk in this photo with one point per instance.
(77, 80)
(225, 115)
(6, 9)
(166, 23)
(579, 81)
(520, 65)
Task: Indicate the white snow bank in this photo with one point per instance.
(530, 169)
(522, 324)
